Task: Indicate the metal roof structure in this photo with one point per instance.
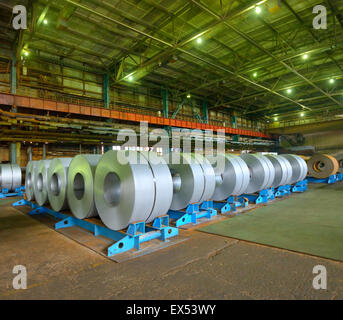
(263, 59)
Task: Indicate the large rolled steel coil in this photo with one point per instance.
(80, 186)
(163, 184)
(283, 170)
(124, 191)
(16, 176)
(339, 158)
(40, 181)
(262, 172)
(209, 177)
(6, 176)
(188, 181)
(299, 167)
(232, 175)
(322, 166)
(29, 180)
(57, 183)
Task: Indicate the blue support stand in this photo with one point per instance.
(193, 213)
(262, 197)
(230, 205)
(136, 234)
(18, 192)
(283, 191)
(300, 186)
(332, 179)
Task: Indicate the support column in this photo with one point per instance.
(205, 111)
(233, 121)
(234, 125)
(29, 153)
(44, 151)
(106, 90)
(165, 102)
(14, 74)
(13, 153)
(18, 153)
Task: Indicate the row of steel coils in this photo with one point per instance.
(10, 177)
(122, 189)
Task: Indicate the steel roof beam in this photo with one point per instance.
(257, 45)
(179, 48)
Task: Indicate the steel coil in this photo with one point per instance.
(299, 167)
(232, 176)
(209, 177)
(124, 192)
(163, 185)
(80, 189)
(6, 176)
(188, 181)
(57, 183)
(322, 166)
(40, 181)
(29, 180)
(16, 176)
(283, 170)
(262, 172)
(339, 158)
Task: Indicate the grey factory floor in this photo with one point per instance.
(203, 267)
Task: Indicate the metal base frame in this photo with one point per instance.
(193, 213)
(18, 192)
(136, 234)
(262, 197)
(283, 191)
(230, 205)
(332, 179)
(300, 186)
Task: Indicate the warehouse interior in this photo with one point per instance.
(262, 80)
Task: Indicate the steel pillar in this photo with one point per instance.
(29, 153)
(14, 74)
(205, 111)
(233, 122)
(44, 151)
(165, 102)
(106, 90)
(13, 153)
(18, 153)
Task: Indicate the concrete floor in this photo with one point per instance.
(203, 267)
